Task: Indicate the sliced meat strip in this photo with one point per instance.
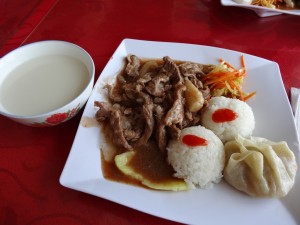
(190, 69)
(175, 114)
(132, 68)
(113, 94)
(161, 136)
(174, 131)
(118, 135)
(156, 87)
(104, 110)
(171, 69)
(149, 123)
(113, 113)
(132, 135)
(206, 93)
(161, 133)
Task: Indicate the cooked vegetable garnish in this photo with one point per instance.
(226, 80)
(122, 162)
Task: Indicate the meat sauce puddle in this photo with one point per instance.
(149, 161)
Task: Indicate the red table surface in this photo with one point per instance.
(32, 159)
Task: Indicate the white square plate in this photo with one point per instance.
(222, 204)
(261, 11)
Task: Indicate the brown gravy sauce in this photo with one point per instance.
(149, 161)
(111, 172)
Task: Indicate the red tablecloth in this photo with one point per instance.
(32, 159)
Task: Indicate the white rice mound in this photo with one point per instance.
(243, 125)
(201, 165)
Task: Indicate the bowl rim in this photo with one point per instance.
(59, 109)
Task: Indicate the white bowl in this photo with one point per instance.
(45, 83)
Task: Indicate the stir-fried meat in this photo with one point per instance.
(145, 78)
(205, 92)
(113, 114)
(198, 83)
(207, 68)
(133, 124)
(174, 131)
(191, 119)
(194, 71)
(131, 135)
(104, 110)
(119, 136)
(171, 69)
(112, 93)
(176, 112)
(190, 69)
(148, 101)
(130, 91)
(125, 122)
(158, 85)
(149, 123)
(132, 68)
(161, 135)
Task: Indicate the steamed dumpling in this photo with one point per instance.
(260, 167)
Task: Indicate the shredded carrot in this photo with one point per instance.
(241, 96)
(243, 62)
(220, 79)
(213, 75)
(219, 85)
(227, 64)
(249, 96)
(227, 80)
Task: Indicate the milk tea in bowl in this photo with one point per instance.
(45, 83)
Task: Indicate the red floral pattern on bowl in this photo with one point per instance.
(58, 118)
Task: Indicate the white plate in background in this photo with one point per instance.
(222, 204)
(260, 10)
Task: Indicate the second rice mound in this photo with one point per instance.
(239, 115)
(198, 157)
